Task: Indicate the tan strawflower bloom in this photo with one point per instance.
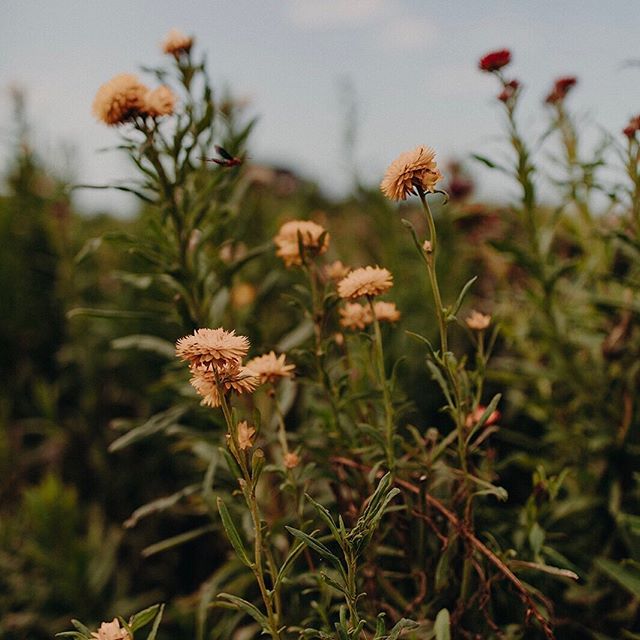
(120, 100)
(176, 43)
(386, 311)
(242, 295)
(159, 102)
(110, 631)
(355, 316)
(366, 281)
(313, 237)
(245, 435)
(426, 246)
(336, 270)
(270, 368)
(210, 383)
(291, 460)
(207, 348)
(478, 321)
(411, 169)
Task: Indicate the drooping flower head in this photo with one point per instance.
(159, 102)
(111, 631)
(120, 100)
(211, 383)
(411, 170)
(271, 368)
(495, 60)
(561, 88)
(366, 281)
(246, 434)
(478, 321)
(474, 417)
(632, 128)
(386, 311)
(313, 238)
(177, 43)
(209, 348)
(355, 316)
(509, 91)
(291, 460)
(336, 270)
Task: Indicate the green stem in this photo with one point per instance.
(386, 394)
(431, 269)
(248, 491)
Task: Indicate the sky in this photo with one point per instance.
(411, 66)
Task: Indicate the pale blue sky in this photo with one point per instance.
(412, 64)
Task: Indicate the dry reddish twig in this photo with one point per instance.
(478, 545)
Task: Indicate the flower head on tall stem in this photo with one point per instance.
(176, 43)
(561, 88)
(271, 368)
(495, 60)
(366, 281)
(209, 348)
(159, 102)
(409, 171)
(355, 316)
(246, 434)
(297, 234)
(632, 128)
(478, 321)
(120, 100)
(386, 311)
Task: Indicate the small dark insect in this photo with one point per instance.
(226, 159)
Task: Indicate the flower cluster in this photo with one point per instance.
(411, 170)
(300, 235)
(477, 321)
(366, 281)
(124, 98)
(356, 316)
(509, 91)
(177, 43)
(215, 361)
(495, 60)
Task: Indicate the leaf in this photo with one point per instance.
(627, 578)
(460, 299)
(315, 545)
(248, 608)
(145, 342)
(158, 422)
(442, 625)
(489, 163)
(232, 533)
(80, 627)
(110, 313)
(491, 407)
(323, 512)
(140, 619)
(293, 555)
(404, 624)
(174, 541)
(156, 624)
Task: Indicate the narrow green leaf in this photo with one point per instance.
(232, 533)
(463, 293)
(442, 625)
(156, 624)
(248, 608)
(315, 545)
(142, 618)
(174, 541)
(404, 624)
(629, 579)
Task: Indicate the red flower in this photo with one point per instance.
(561, 88)
(495, 60)
(509, 90)
(632, 128)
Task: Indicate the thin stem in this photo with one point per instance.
(249, 493)
(386, 394)
(431, 269)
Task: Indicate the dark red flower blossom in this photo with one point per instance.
(509, 90)
(632, 128)
(561, 88)
(495, 60)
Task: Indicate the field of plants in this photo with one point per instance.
(252, 410)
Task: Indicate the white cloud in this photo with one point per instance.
(328, 14)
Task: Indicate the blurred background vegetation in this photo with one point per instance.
(73, 291)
